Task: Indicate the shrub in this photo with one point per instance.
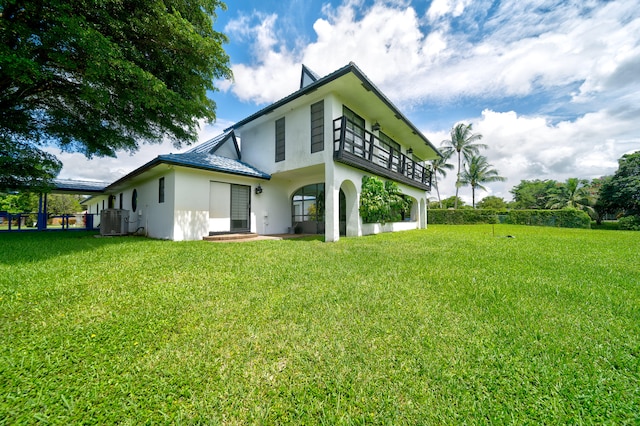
(382, 202)
(462, 216)
(566, 218)
(629, 223)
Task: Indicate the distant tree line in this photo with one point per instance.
(27, 202)
(616, 196)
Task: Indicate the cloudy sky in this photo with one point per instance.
(552, 85)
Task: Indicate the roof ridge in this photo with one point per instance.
(212, 143)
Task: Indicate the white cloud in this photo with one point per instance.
(583, 56)
(523, 48)
(273, 74)
(519, 52)
(440, 8)
(532, 147)
(108, 169)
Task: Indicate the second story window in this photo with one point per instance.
(355, 123)
(280, 140)
(317, 126)
(389, 142)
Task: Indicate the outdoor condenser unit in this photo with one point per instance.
(114, 222)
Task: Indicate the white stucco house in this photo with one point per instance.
(296, 165)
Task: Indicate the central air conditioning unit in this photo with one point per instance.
(114, 222)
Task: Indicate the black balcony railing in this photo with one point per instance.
(360, 148)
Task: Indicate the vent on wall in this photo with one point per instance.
(114, 222)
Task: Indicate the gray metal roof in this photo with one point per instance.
(213, 162)
(78, 186)
(210, 146)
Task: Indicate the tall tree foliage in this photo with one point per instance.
(532, 194)
(59, 204)
(622, 190)
(440, 166)
(100, 76)
(492, 202)
(574, 193)
(25, 166)
(465, 144)
(476, 172)
(451, 202)
(22, 202)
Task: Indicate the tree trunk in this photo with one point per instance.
(438, 192)
(473, 196)
(455, 202)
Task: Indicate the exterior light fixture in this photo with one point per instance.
(410, 151)
(258, 189)
(376, 126)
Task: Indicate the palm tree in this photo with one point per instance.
(477, 172)
(440, 166)
(574, 193)
(464, 142)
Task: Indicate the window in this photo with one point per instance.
(307, 209)
(308, 203)
(354, 131)
(390, 145)
(121, 200)
(240, 207)
(317, 127)
(355, 123)
(161, 190)
(280, 139)
(134, 200)
(390, 142)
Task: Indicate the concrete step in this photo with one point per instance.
(231, 237)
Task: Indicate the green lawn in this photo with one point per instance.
(449, 325)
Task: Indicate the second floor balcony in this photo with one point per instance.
(360, 148)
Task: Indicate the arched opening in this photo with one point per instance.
(342, 213)
(349, 213)
(308, 210)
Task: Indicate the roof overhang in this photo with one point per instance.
(354, 88)
(159, 166)
(70, 186)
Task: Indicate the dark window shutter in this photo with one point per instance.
(317, 126)
(280, 139)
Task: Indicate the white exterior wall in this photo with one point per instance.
(151, 217)
(194, 200)
(219, 206)
(338, 174)
(301, 168)
(191, 205)
(259, 141)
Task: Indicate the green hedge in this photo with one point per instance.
(462, 216)
(629, 223)
(566, 218)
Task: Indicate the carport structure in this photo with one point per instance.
(60, 186)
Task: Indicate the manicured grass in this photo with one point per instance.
(449, 325)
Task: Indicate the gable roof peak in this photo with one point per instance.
(307, 77)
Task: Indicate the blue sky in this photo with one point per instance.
(553, 86)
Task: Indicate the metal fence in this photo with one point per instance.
(15, 222)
